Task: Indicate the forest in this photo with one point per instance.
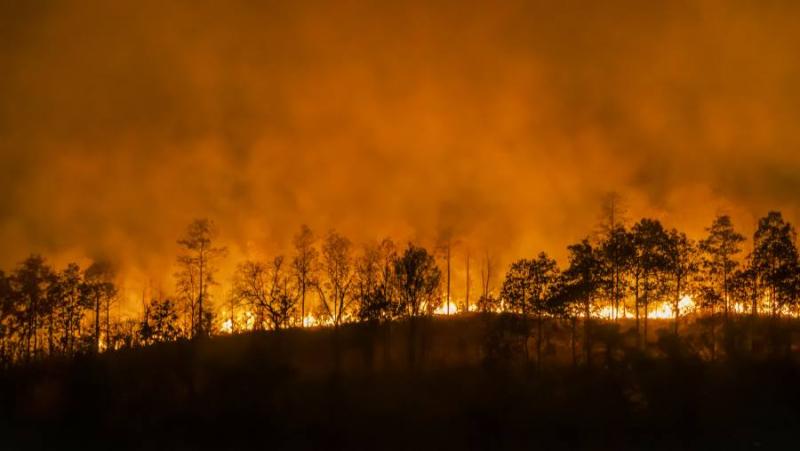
(646, 338)
(628, 276)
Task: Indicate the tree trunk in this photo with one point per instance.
(97, 324)
(573, 333)
(539, 340)
(636, 308)
(587, 331)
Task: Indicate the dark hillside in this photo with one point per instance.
(470, 389)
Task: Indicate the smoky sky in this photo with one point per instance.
(501, 124)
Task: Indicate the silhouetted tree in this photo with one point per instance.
(617, 252)
(265, 289)
(71, 305)
(582, 281)
(197, 262)
(7, 312)
(30, 282)
(775, 260)
(528, 289)
(650, 245)
(418, 279)
(305, 264)
(616, 249)
(159, 322)
(370, 291)
(719, 249)
(682, 264)
(99, 290)
(338, 276)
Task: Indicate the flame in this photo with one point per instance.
(245, 320)
(443, 309)
(226, 327)
(663, 310)
(311, 321)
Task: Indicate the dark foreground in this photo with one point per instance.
(297, 390)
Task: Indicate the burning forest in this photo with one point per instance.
(415, 225)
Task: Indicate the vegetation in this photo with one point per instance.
(621, 273)
(623, 338)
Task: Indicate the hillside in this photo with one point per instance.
(469, 389)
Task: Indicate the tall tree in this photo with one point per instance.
(30, 282)
(774, 260)
(582, 281)
(7, 312)
(528, 288)
(650, 243)
(266, 289)
(99, 289)
(159, 322)
(198, 257)
(337, 269)
(719, 249)
(418, 279)
(682, 264)
(487, 302)
(616, 249)
(373, 305)
(305, 264)
(72, 305)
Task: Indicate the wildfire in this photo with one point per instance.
(244, 320)
(662, 310)
(448, 308)
(311, 321)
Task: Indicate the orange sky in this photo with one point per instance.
(503, 123)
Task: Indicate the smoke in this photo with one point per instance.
(502, 126)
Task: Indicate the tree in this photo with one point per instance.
(719, 249)
(370, 291)
(266, 290)
(581, 282)
(616, 250)
(466, 282)
(418, 279)
(99, 290)
(305, 264)
(682, 265)
(650, 243)
(159, 322)
(197, 259)
(775, 260)
(30, 282)
(337, 268)
(487, 270)
(71, 304)
(528, 288)
(7, 312)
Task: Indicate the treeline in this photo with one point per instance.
(620, 273)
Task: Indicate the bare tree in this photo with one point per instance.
(305, 264)
(337, 268)
(199, 254)
(99, 289)
(266, 289)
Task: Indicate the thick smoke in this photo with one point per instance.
(503, 126)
